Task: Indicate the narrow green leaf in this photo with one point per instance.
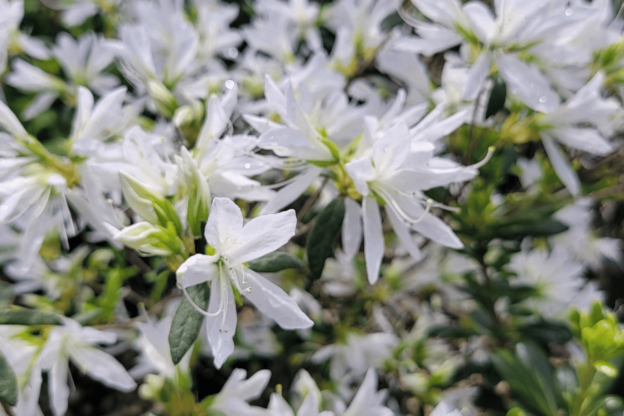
(497, 97)
(187, 322)
(326, 229)
(8, 382)
(544, 228)
(6, 295)
(28, 317)
(275, 262)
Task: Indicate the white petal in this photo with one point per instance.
(292, 191)
(39, 104)
(272, 301)
(279, 407)
(106, 114)
(59, 391)
(482, 20)
(253, 387)
(197, 269)
(224, 222)
(9, 121)
(310, 406)
(527, 83)
(586, 139)
(263, 235)
(373, 238)
(435, 229)
(477, 75)
(352, 228)
(561, 166)
(102, 367)
(361, 172)
(220, 333)
(402, 232)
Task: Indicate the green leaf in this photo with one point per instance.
(28, 317)
(6, 295)
(8, 383)
(544, 228)
(187, 322)
(326, 229)
(548, 332)
(497, 97)
(275, 262)
(532, 385)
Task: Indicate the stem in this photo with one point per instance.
(586, 376)
(312, 200)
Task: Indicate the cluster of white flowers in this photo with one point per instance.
(208, 146)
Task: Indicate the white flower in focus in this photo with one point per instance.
(234, 245)
(76, 343)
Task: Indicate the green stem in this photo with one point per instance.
(586, 376)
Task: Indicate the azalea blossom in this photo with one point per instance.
(73, 342)
(235, 244)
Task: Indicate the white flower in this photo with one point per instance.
(351, 360)
(368, 401)
(582, 123)
(395, 173)
(581, 240)
(557, 279)
(84, 59)
(443, 409)
(71, 341)
(234, 245)
(153, 344)
(233, 397)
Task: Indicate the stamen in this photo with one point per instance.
(409, 220)
(486, 159)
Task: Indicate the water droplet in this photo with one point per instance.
(248, 290)
(542, 99)
(568, 12)
(3, 208)
(232, 53)
(229, 84)
(247, 165)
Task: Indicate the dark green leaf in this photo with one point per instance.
(548, 332)
(544, 228)
(275, 262)
(8, 383)
(6, 295)
(326, 229)
(451, 332)
(187, 322)
(497, 97)
(28, 317)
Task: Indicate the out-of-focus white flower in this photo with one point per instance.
(582, 123)
(557, 279)
(351, 360)
(234, 245)
(233, 397)
(395, 172)
(444, 409)
(71, 341)
(155, 357)
(581, 240)
(368, 401)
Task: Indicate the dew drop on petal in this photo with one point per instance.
(232, 53)
(247, 165)
(229, 84)
(542, 99)
(568, 12)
